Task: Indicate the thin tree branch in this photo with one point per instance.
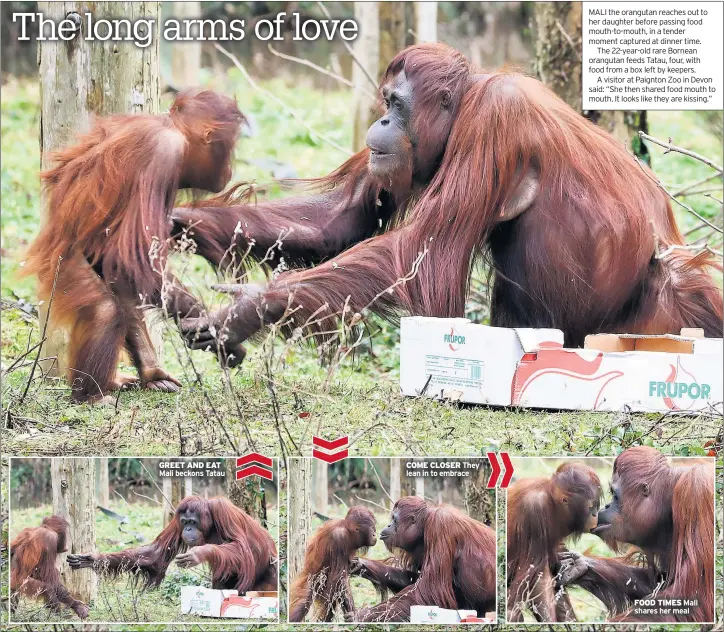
(278, 101)
(324, 71)
(351, 51)
(671, 147)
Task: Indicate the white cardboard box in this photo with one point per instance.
(433, 614)
(227, 604)
(452, 358)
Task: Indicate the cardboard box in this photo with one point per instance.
(433, 614)
(227, 604)
(452, 358)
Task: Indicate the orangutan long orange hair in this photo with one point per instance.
(33, 572)
(466, 167)
(241, 553)
(109, 197)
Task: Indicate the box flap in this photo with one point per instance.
(533, 339)
(662, 343)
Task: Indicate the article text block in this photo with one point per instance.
(653, 56)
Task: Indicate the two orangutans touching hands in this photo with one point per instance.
(462, 167)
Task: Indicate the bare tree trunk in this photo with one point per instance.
(367, 51)
(479, 500)
(247, 494)
(426, 21)
(172, 496)
(188, 487)
(300, 514)
(80, 78)
(420, 486)
(558, 63)
(558, 49)
(395, 480)
(393, 31)
(104, 499)
(186, 56)
(73, 482)
(320, 484)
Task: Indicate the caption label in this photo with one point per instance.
(442, 468)
(142, 32)
(652, 56)
(193, 468)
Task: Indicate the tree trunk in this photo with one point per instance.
(367, 51)
(395, 480)
(247, 494)
(188, 487)
(320, 482)
(426, 21)
(73, 482)
(393, 31)
(172, 495)
(81, 78)
(625, 127)
(479, 500)
(300, 514)
(420, 487)
(186, 56)
(558, 64)
(104, 499)
(558, 49)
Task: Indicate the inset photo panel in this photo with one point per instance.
(626, 539)
(143, 540)
(391, 540)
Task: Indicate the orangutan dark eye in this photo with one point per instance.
(446, 99)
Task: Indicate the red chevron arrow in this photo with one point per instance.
(251, 458)
(330, 445)
(330, 458)
(493, 480)
(508, 470)
(252, 470)
(495, 474)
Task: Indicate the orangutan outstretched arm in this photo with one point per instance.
(616, 582)
(383, 575)
(369, 275)
(301, 230)
(149, 561)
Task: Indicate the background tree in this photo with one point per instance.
(186, 56)
(320, 483)
(73, 482)
(81, 78)
(248, 494)
(172, 495)
(558, 63)
(300, 514)
(103, 489)
(395, 480)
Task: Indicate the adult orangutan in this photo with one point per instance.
(447, 559)
(464, 167)
(542, 513)
(109, 199)
(324, 580)
(668, 513)
(242, 555)
(33, 555)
